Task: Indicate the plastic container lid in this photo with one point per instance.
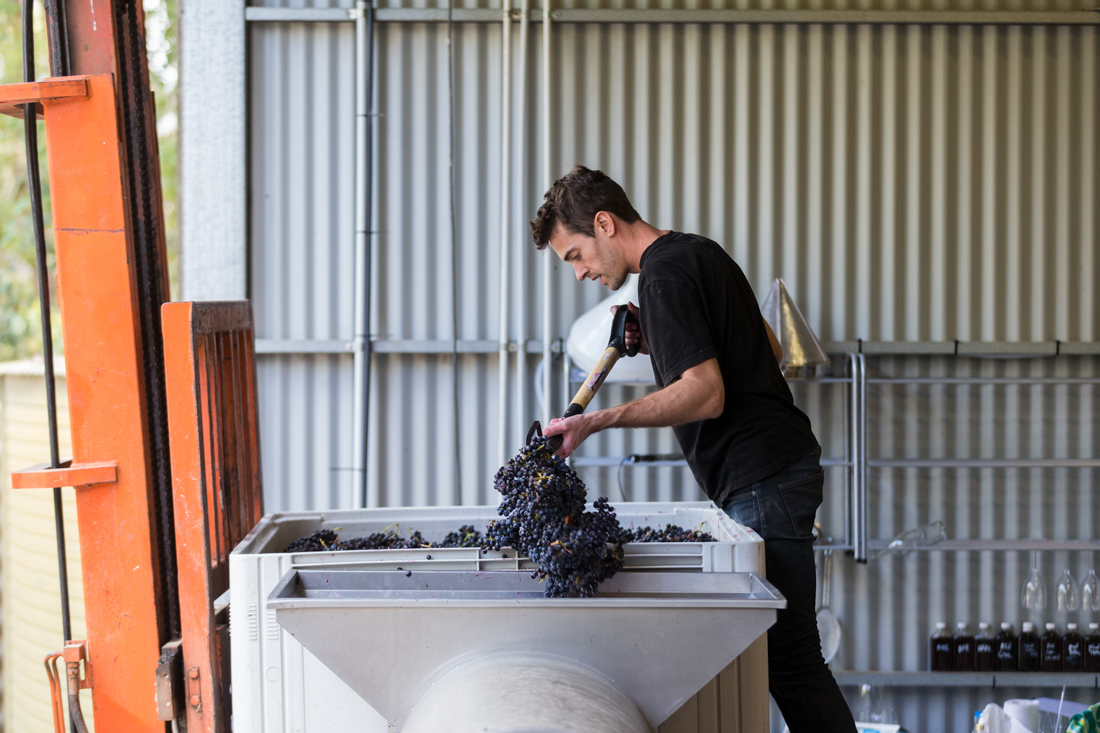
(1071, 627)
(983, 625)
(941, 624)
(1005, 626)
(1050, 627)
(1028, 626)
(961, 626)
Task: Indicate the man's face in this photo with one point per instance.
(593, 258)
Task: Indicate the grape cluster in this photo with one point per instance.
(671, 533)
(318, 541)
(542, 515)
(327, 540)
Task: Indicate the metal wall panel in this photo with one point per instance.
(889, 606)
(922, 183)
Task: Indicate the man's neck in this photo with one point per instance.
(639, 236)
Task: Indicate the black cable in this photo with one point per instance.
(454, 250)
(58, 37)
(34, 188)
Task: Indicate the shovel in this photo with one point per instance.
(616, 347)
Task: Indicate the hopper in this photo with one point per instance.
(655, 638)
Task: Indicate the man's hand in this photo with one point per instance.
(634, 333)
(574, 431)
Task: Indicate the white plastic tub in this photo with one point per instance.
(279, 686)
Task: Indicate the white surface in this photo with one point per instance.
(1024, 711)
(305, 695)
(589, 334)
(495, 696)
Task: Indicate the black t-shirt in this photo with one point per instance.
(696, 304)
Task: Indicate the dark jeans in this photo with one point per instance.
(781, 509)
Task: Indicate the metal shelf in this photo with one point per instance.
(967, 679)
(980, 545)
(983, 462)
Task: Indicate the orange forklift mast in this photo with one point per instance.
(111, 283)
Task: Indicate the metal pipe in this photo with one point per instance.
(984, 463)
(359, 494)
(985, 380)
(505, 205)
(853, 437)
(521, 253)
(34, 188)
(861, 463)
(548, 178)
(853, 16)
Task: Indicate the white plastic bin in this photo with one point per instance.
(278, 686)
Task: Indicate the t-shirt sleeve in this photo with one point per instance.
(675, 327)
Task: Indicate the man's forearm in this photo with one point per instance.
(686, 400)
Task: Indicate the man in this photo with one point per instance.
(721, 390)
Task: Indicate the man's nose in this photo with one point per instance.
(580, 272)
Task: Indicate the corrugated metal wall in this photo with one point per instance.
(909, 182)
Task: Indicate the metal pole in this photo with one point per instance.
(34, 187)
(521, 253)
(359, 494)
(547, 341)
(861, 496)
(505, 205)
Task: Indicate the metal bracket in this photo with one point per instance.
(194, 689)
(170, 681)
(75, 653)
(14, 96)
(68, 473)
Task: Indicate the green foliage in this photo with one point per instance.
(20, 332)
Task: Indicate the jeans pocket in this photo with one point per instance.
(743, 509)
(802, 497)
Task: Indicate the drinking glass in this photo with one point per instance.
(1065, 595)
(1034, 595)
(1090, 592)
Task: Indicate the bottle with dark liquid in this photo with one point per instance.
(964, 648)
(1092, 649)
(943, 653)
(1073, 650)
(1005, 645)
(1051, 649)
(1029, 649)
(985, 659)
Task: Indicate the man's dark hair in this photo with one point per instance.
(575, 199)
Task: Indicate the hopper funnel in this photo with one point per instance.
(647, 643)
(800, 346)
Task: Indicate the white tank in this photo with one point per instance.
(589, 334)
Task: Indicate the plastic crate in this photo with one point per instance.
(279, 686)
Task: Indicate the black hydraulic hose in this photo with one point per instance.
(34, 186)
(58, 37)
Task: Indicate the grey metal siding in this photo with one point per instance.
(910, 182)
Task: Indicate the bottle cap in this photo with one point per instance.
(1050, 627)
(1028, 626)
(1094, 626)
(1005, 626)
(1071, 627)
(961, 625)
(941, 624)
(983, 625)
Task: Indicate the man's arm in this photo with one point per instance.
(699, 394)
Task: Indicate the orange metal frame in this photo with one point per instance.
(110, 438)
(210, 378)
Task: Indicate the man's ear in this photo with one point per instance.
(605, 223)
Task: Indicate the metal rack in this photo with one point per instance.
(968, 679)
(859, 463)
